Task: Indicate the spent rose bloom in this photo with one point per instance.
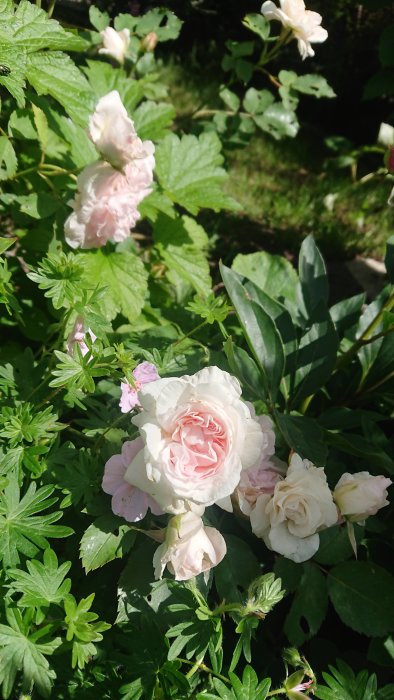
(360, 495)
(105, 206)
(77, 337)
(198, 436)
(289, 520)
(115, 43)
(189, 549)
(257, 481)
(304, 23)
(113, 133)
(127, 501)
(144, 373)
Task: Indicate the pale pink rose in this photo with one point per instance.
(105, 206)
(143, 374)
(301, 505)
(257, 481)
(77, 337)
(360, 495)
(198, 436)
(189, 549)
(115, 44)
(127, 501)
(113, 133)
(304, 24)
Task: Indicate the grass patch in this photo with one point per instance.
(284, 187)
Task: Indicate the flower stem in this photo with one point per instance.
(202, 667)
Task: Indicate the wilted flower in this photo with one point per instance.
(113, 133)
(143, 374)
(78, 335)
(360, 495)
(105, 206)
(127, 501)
(304, 24)
(257, 481)
(115, 43)
(300, 506)
(189, 549)
(198, 436)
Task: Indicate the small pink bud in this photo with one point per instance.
(149, 42)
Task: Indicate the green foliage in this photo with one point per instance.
(21, 651)
(343, 683)
(23, 527)
(190, 173)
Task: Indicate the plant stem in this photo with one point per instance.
(280, 691)
(51, 7)
(202, 667)
(365, 337)
(187, 335)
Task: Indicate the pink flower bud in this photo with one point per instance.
(143, 374)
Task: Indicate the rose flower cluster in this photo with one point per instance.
(201, 444)
(110, 189)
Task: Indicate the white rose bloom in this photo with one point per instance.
(304, 23)
(198, 436)
(360, 495)
(113, 133)
(189, 549)
(289, 520)
(115, 43)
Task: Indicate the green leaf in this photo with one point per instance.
(229, 98)
(14, 59)
(283, 322)
(260, 331)
(23, 526)
(278, 121)
(6, 243)
(181, 244)
(190, 173)
(82, 629)
(361, 593)
(41, 124)
(335, 545)
(54, 73)
(60, 274)
(20, 650)
(244, 368)
(309, 606)
(104, 541)
(8, 160)
(312, 84)
(236, 571)
(43, 584)
(164, 23)
(257, 101)
(99, 20)
(389, 259)
(316, 357)
(344, 684)
(124, 276)
(346, 313)
(271, 273)
(304, 435)
(152, 120)
(38, 205)
(257, 24)
(313, 276)
(30, 28)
